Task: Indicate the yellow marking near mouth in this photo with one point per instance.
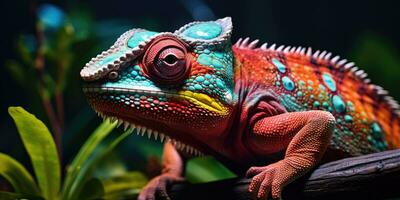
(203, 101)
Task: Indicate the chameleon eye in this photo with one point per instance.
(165, 61)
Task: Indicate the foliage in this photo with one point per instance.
(79, 182)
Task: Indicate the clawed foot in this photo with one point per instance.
(157, 187)
(270, 179)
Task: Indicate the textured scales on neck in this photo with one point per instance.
(367, 119)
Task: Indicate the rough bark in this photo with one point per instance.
(373, 176)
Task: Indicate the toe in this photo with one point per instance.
(256, 182)
(265, 188)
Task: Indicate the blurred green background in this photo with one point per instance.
(66, 34)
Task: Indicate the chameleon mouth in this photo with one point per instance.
(202, 100)
(144, 131)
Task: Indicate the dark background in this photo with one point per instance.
(366, 32)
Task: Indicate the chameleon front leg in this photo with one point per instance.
(172, 171)
(305, 135)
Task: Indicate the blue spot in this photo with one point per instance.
(219, 54)
(134, 73)
(206, 83)
(376, 130)
(51, 16)
(351, 106)
(281, 67)
(208, 76)
(299, 94)
(199, 79)
(217, 64)
(139, 37)
(204, 59)
(110, 58)
(219, 83)
(317, 103)
(348, 118)
(329, 82)
(205, 31)
(198, 87)
(288, 83)
(339, 104)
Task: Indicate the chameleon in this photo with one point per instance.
(269, 112)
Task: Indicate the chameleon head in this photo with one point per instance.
(179, 84)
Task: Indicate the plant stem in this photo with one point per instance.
(39, 67)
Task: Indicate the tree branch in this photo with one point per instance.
(373, 176)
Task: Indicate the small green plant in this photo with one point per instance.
(79, 182)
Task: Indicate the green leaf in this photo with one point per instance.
(206, 169)
(93, 189)
(123, 186)
(41, 149)
(14, 196)
(87, 170)
(15, 173)
(83, 155)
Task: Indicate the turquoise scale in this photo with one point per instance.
(139, 37)
(204, 31)
(280, 66)
(329, 82)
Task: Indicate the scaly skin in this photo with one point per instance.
(246, 106)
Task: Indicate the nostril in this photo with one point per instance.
(113, 75)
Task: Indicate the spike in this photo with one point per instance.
(130, 130)
(272, 47)
(138, 130)
(298, 50)
(119, 123)
(244, 43)
(155, 133)
(237, 44)
(328, 56)
(149, 133)
(354, 69)
(162, 136)
(335, 59)
(309, 52)
(343, 61)
(315, 55)
(348, 65)
(280, 48)
(264, 46)
(287, 49)
(359, 72)
(126, 125)
(253, 44)
(321, 56)
(143, 131)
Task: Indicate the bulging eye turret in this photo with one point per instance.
(166, 61)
